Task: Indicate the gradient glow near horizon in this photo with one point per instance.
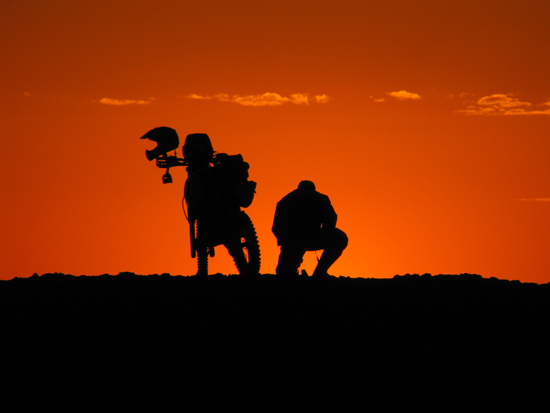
(427, 123)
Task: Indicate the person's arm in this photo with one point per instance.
(331, 217)
(276, 225)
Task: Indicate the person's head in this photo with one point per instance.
(306, 185)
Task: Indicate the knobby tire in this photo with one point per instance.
(245, 250)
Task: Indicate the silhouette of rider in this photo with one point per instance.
(306, 221)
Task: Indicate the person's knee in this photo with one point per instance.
(340, 239)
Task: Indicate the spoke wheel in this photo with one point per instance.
(246, 249)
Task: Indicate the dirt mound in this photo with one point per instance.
(335, 341)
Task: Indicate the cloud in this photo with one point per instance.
(122, 102)
(321, 99)
(501, 104)
(197, 97)
(527, 112)
(266, 99)
(474, 110)
(404, 95)
(535, 199)
(221, 96)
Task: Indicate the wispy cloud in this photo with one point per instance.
(122, 102)
(404, 95)
(197, 97)
(269, 99)
(503, 104)
(266, 99)
(321, 98)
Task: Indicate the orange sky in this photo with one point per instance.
(426, 122)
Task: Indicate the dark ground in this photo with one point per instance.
(194, 343)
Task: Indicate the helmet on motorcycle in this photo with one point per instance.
(166, 139)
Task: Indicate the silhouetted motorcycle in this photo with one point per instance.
(216, 189)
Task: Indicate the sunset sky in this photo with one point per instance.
(426, 122)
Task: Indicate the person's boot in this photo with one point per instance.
(327, 259)
(320, 274)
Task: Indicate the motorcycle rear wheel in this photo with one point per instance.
(244, 246)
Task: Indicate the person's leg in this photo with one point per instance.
(334, 242)
(290, 260)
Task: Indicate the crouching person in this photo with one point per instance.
(306, 221)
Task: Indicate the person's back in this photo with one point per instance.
(301, 214)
